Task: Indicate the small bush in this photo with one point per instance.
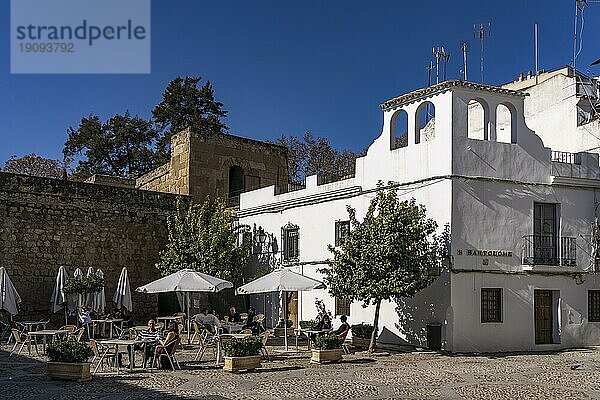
(249, 346)
(289, 323)
(84, 285)
(307, 324)
(328, 342)
(69, 352)
(362, 330)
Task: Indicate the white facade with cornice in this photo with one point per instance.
(522, 265)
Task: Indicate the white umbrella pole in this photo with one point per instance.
(285, 338)
(188, 316)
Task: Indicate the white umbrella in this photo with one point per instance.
(186, 280)
(9, 297)
(89, 297)
(59, 299)
(75, 299)
(99, 299)
(122, 298)
(283, 281)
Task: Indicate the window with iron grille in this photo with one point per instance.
(290, 236)
(594, 305)
(342, 229)
(491, 305)
(342, 306)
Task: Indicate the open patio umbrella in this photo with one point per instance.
(283, 281)
(9, 297)
(187, 281)
(59, 299)
(99, 298)
(122, 298)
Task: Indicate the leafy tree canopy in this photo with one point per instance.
(184, 105)
(32, 164)
(309, 156)
(203, 237)
(121, 146)
(390, 254)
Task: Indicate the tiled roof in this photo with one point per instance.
(442, 87)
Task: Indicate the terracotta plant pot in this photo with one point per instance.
(234, 364)
(79, 372)
(320, 356)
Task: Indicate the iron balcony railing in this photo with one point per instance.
(339, 174)
(290, 187)
(566, 158)
(549, 250)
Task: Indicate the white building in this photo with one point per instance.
(522, 269)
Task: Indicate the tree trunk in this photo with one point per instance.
(373, 343)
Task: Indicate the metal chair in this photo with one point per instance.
(102, 353)
(207, 340)
(263, 349)
(23, 339)
(167, 350)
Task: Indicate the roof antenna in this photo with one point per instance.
(481, 31)
(440, 54)
(429, 67)
(535, 41)
(464, 46)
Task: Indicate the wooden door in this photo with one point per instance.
(293, 307)
(543, 316)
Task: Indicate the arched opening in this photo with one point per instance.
(236, 182)
(477, 120)
(399, 136)
(425, 122)
(506, 131)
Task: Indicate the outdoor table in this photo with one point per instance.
(307, 332)
(45, 333)
(233, 327)
(123, 342)
(168, 318)
(109, 321)
(29, 325)
(227, 335)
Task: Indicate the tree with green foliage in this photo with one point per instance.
(34, 165)
(185, 105)
(203, 237)
(121, 146)
(389, 255)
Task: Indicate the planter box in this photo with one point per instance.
(79, 372)
(361, 342)
(279, 332)
(320, 356)
(234, 364)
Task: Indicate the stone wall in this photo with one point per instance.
(45, 223)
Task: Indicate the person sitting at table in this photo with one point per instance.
(85, 319)
(121, 314)
(208, 320)
(250, 323)
(150, 336)
(233, 315)
(343, 329)
(324, 325)
(167, 345)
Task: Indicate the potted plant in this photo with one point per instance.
(327, 348)
(361, 335)
(68, 361)
(84, 285)
(242, 354)
(280, 328)
(307, 324)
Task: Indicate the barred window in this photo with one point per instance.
(491, 305)
(594, 305)
(342, 306)
(342, 229)
(289, 238)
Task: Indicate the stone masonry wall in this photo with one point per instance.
(45, 223)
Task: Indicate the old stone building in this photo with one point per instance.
(112, 222)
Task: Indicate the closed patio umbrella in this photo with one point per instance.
(59, 299)
(283, 281)
(75, 299)
(122, 297)
(99, 299)
(186, 280)
(9, 297)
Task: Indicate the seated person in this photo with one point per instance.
(251, 323)
(233, 315)
(167, 345)
(150, 336)
(207, 320)
(86, 320)
(324, 325)
(343, 329)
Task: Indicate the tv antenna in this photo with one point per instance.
(464, 47)
(442, 55)
(429, 67)
(482, 31)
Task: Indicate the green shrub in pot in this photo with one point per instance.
(69, 352)
(362, 330)
(328, 342)
(249, 346)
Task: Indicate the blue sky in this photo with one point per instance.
(286, 67)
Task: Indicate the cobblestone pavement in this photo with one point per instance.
(417, 375)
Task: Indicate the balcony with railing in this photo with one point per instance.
(290, 187)
(339, 174)
(549, 250)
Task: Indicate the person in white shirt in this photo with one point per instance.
(205, 318)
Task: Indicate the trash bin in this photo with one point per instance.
(434, 336)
